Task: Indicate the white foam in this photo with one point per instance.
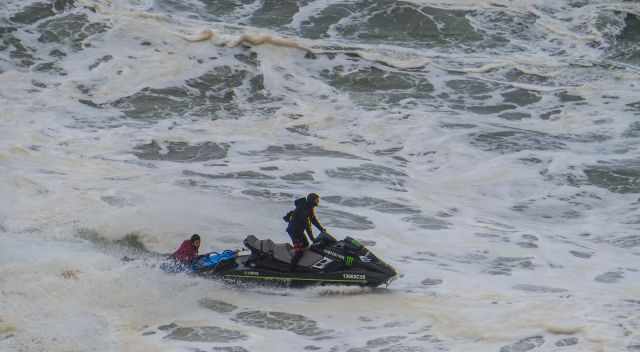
(61, 162)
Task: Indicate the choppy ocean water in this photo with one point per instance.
(486, 149)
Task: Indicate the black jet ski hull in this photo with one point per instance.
(326, 262)
(302, 278)
(239, 272)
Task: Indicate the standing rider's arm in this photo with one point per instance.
(310, 231)
(315, 222)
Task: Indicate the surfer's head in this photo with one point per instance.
(195, 240)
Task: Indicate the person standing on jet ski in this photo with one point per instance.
(300, 220)
(188, 251)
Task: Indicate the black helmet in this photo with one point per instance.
(195, 237)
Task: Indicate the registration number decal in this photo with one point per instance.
(354, 276)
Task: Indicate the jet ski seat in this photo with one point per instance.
(280, 251)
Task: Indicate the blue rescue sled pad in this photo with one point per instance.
(212, 260)
(206, 263)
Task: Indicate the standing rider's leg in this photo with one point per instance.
(298, 249)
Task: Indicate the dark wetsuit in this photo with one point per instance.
(300, 220)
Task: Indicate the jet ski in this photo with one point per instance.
(326, 262)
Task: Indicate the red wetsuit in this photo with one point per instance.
(186, 253)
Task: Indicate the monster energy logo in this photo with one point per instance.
(348, 260)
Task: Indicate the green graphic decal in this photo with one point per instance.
(348, 260)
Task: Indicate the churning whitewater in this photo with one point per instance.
(487, 150)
